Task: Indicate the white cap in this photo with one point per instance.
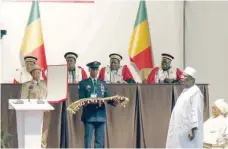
(190, 71)
(222, 105)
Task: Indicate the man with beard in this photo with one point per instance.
(186, 122)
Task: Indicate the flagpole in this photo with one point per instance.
(184, 45)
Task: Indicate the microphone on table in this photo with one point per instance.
(19, 101)
(30, 89)
(39, 101)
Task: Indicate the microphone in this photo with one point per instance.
(19, 101)
(30, 89)
(21, 77)
(39, 101)
(38, 91)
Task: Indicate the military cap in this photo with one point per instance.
(116, 56)
(34, 67)
(71, 54)
(167, 56)
(30, 59)
(94, 64)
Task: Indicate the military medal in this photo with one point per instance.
(102, 89)
(88, 87)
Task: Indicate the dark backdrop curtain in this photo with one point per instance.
(143, 123)
(155, 108)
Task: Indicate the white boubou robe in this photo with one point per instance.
(216, 130)
(226, 134)
(187, 114)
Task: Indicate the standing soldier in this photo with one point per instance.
(94, 114)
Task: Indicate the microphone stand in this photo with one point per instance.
(19, 101)
(30, 89)
(39, 101)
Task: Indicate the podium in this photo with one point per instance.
(29, 121)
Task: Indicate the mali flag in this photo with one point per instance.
(33, 44)
(140, 46)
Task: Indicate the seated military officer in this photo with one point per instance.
(37, 89)
(94, 114)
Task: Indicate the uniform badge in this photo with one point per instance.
(102, 89)
(88, 87)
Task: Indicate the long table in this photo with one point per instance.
(142, 124)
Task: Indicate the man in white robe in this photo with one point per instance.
(186, 122)
(216, 127)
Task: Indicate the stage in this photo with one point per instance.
(142, 124)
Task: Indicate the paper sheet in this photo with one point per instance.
(57, 83)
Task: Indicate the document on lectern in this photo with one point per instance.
(57, 83)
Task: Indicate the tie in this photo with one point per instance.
(95, 82)
(73, 74)
(94, 85)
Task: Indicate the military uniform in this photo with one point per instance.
(94, 115)
(37, 90)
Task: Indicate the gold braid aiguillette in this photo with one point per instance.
(75, 106)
